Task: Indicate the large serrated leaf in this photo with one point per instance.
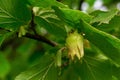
(69, 74)
(51, 27)
(47, 19)
(103, 16)
(108, 44)
(71, 16)
(45, 70)
(13, 14)
(114, 24)
(93, 68)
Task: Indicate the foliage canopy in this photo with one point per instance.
(78, 45)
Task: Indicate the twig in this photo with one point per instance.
(41, 38)
(35, 36)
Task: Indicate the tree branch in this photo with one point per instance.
(35, 36)
(41, 38)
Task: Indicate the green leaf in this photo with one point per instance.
(114, 24)
(110, 3)
(1, 39)
(107, 1)
(42, 3)
(4, 66)
(114, 78)
(45, 70)
(46, 3)
(3, 35)
(67, 2)
(71, 16)
(90, 2)
(116, 72)
(69, 74)
(108, 44)
(93, 68)
(103, 16)
(13, 14)
(51, 22)
(51, 27)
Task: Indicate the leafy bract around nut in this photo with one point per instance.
(22, 31)
(74, 43)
